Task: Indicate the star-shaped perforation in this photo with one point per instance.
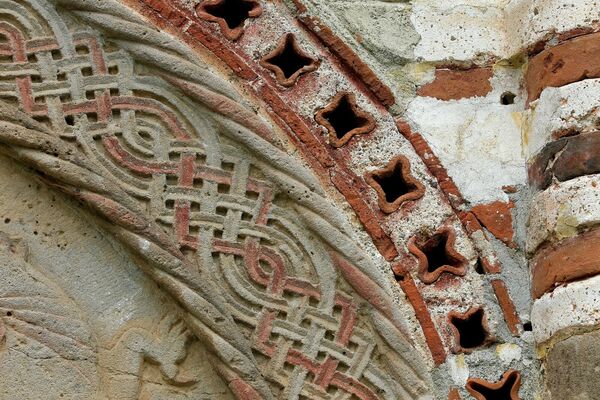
(344, 119)
(506, 388)
(470, 330)
(288, 61)
(231, 15)
(437, 255)
(395, 184)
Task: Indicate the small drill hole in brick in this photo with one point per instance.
(479, 267)
(234, 12)
(507, 98)
(527, 327)
(471, 330)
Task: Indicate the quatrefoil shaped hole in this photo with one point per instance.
(288, 61)
(470, 329)
(344, 119)
(394, 184)
(233, 12)
(436, 250)
(502, 390)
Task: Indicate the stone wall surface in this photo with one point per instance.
(299, 199)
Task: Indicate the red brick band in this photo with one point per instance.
(434, 342)
(572, 61)
(453, 84)
(570, 260)
(507, 306)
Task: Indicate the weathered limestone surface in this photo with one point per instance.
(80, 321)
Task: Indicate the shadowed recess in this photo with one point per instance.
(234, 12)
(471, 330)
(343, 119)
(394, 184)
(490, 392)
(289, 60)
(436, 251)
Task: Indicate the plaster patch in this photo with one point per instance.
(459, 370)
(572, 107)
(478, 141)
(508, 353)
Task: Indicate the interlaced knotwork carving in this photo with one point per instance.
(301, 319)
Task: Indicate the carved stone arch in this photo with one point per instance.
(229, 225)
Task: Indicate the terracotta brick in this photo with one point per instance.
(497, 218)
(565, 159)
(506, 388)
(432, 337)
(571, 61)
(458, 84)
(568, 261)
(507, 306)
